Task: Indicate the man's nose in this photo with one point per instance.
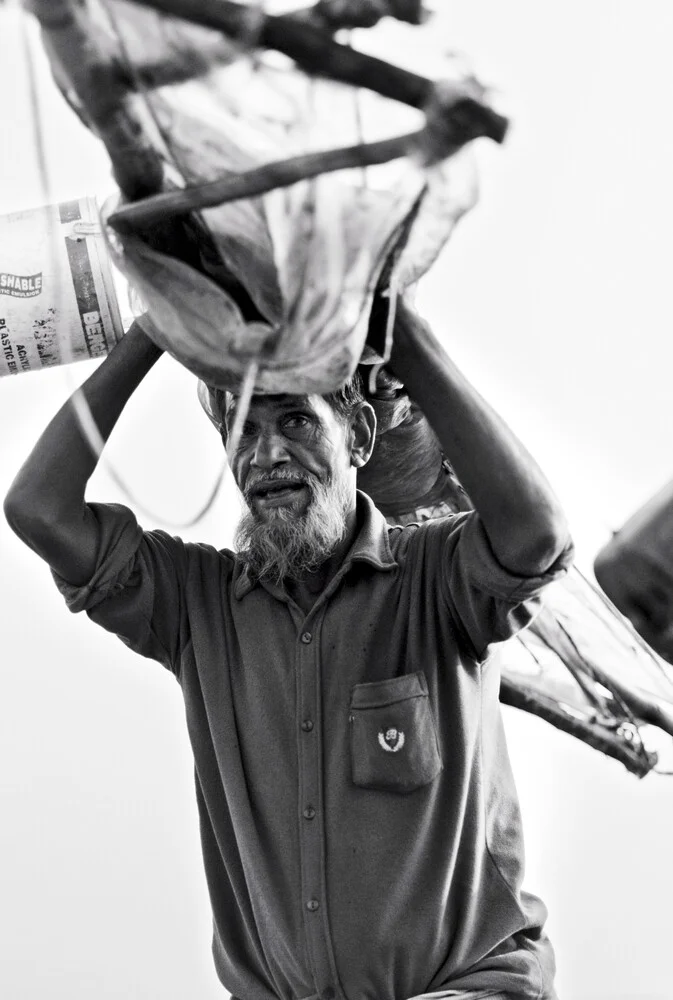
(270, 450)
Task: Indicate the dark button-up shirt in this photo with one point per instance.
(360, 827)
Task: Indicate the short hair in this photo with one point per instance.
(344, 401)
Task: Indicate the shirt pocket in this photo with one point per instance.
(394, 745)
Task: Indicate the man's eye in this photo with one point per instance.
(296, 421)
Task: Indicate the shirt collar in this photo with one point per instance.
(371, 546)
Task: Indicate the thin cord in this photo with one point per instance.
(245, 395)
(252, 370)
(88, 425)
(359, 122)
(40, 150)
(35, 105)
(393, 296)
(141, 88)
(96, 443)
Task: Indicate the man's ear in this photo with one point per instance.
(363, 434)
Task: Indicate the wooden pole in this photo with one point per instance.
(337, 14)
(313, 49)
(634, 757)
(142, 215)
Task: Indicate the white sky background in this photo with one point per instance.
(554, 297)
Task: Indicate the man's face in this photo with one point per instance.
(293, 466)
(288, 445)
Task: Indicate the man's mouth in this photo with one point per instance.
(277, 491)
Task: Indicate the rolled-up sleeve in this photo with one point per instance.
(490, 602)
(136, 588)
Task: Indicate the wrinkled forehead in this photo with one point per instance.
(271, 404)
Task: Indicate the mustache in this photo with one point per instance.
(263, 480)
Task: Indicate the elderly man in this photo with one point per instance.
(360, 828)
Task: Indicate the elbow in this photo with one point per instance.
(19, 515)
(536, 551)
(28, 516)
(550, 549)
(559, 551)
(12, 508)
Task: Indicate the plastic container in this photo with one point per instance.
(57, 297)
(635, 569)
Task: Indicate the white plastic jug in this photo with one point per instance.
(57, 298)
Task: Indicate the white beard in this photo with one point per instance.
(287, 545)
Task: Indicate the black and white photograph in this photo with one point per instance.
(336, 553)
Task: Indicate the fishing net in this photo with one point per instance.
(285, 279)
(275, 183)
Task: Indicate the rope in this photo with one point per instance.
(247, 389)
(87, 423)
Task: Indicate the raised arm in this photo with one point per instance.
(521, 515)
(45, 505)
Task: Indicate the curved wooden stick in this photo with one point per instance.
(313, 49)
(142, 215)
(635, 758)
(336, 14)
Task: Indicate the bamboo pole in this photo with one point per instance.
(142, 215)
(313, 49)
(453, 119)
(644, 707)
(151, 75)
(635, 757)
(556, 636)
(336, 14)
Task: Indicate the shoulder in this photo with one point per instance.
(419, 537)
(124, 542)
(429, 527)
(201, 557)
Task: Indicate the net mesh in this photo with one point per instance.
(310, 255)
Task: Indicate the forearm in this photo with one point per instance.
(521, 515)
(45, 504)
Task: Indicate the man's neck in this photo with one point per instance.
(306, 592)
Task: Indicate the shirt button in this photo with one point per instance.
(307, 725)
(313, 905)
(309, 812)
(306, 637)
